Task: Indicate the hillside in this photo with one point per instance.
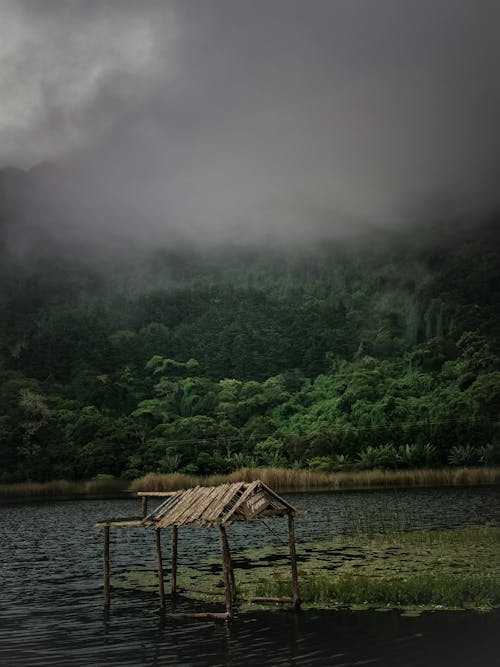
(377, 351)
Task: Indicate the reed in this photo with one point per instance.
(63, 488)
(446, 590)
(58, 487)
(284, 479)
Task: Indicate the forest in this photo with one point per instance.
(376, 351)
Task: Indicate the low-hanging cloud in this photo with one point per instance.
(227, 119)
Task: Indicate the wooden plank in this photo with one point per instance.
(120, 523)
(256, 598)
(193, 512)
(278, 498)
(201, 591)
(107, 587)
(233, 501)
(225, 568)
(224, 616)
(255, 504)
(223, 500)
(173, 576)
(213, 511)
(230, 566)
(164, 507)
(159, 566)
(250, 488)
(293, 561)
(158, 494)
(205, 506)
(184, 503)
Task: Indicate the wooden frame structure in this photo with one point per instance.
(207, 506)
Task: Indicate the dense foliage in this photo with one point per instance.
(379, 352)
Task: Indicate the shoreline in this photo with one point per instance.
(280, 479)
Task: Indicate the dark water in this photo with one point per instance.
(51, 596)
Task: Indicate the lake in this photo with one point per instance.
(51, 600)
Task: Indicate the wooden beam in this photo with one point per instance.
(107, 587)
(293, 562)
(226, 568)
(202, 591)
(173, 582)
(230, 565)
(120, 523)
(144, 503)
(257, 598)
(224, 616)
(156, 494)
(159, 564)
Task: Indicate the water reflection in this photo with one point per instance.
(51, 597)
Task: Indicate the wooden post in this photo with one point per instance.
(293, 562)
(107, 588)
(144, 506)
(230, 566)
(174, 561)
(226, 569)
(159, 563)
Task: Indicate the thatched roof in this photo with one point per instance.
(223, 504)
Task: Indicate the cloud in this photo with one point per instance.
(66, 69)
(228, 119)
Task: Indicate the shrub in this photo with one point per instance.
(462, 455)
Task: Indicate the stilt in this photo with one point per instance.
(230, 565)
(174, 561)
(159, 563)
(144, 506)
(293, 562)
(226, 570)
(107, 588)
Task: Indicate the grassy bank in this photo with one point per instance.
(417, 570)
(281, 479)
(457, 568)
(305, 480)
(63, 488)
(469, 591)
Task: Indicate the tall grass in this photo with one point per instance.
(281, 479)
(305, 480)
(448, 590)
(62, 488)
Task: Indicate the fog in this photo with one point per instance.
(210, 121)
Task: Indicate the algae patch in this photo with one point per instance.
(445, 569)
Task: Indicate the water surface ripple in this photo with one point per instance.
(51, 595)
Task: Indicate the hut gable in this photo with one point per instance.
(222, 505)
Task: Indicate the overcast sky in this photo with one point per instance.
(253, 119)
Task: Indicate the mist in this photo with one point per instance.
(234, 121)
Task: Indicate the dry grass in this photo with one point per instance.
(305, 480)
(281, 479)
(62, 487)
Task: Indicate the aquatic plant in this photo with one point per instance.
(447, 590)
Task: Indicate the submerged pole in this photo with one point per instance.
(159, 565)
(174, 561)
(293, 561)
(230, 565)
(107, 588)
(226, 567)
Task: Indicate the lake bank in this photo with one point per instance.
(281, 479)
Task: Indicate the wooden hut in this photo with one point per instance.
(208, 506)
